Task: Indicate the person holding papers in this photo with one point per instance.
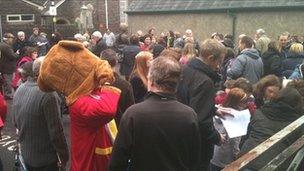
(225, 153)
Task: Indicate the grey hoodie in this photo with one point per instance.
(248, 65)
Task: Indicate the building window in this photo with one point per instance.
(20, 18)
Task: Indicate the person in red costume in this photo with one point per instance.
(3, 110)
(83, 78)
(91, 142)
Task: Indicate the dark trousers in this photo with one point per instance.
(7, 85)
(1, 166)
(50, 167)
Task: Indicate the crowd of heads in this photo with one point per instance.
(158, 62)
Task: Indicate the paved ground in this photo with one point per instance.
(9, 139)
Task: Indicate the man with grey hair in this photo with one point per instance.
(188, 37)
(98, 44)
(159, 133)
(40, 132)
(262, 41)
(197, 90)
(20, 44)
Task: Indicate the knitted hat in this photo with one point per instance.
(73, 70)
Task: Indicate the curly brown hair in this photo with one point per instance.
(260, 87)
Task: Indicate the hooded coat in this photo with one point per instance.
(272, 62)
(273, 117)
(248, 65)
(197, 90)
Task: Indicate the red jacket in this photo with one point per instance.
(17, 75)
(91, 144)
(3, 110)
(221, 97)
(144, 47)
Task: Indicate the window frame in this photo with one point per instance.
(20, 18)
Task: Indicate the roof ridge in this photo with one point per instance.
(207, 5)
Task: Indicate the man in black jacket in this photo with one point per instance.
(197, 90)
(159, 133)
(20, 44)
(8, 61)
(98, 44)
(126, 95)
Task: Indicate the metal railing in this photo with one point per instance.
(282, 151)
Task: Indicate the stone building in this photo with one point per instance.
(205, 17)
(25, 14)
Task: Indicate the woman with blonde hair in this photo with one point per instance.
(295, 58)
(188, 53)
(139, 75)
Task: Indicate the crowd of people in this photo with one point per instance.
(146, 101)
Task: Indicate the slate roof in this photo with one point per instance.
(151, 6)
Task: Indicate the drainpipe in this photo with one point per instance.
(1, 36)
(107, 15)
(233, 17)
(98, 12)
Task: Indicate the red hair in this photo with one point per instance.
(234, 98)
(141, 68)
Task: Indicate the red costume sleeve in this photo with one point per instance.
(3, 110)
(98, 108)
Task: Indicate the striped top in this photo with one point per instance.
(36, 116)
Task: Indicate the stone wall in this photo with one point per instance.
(204, 24)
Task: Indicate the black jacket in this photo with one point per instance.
(126, 96)
(129, 52)
(99, 47)
(272, 62)
(271, 118)
(8, 59)
(20, 45)
(159, 134)
(197, 90)
(139, 88)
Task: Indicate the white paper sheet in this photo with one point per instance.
(236, 126)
